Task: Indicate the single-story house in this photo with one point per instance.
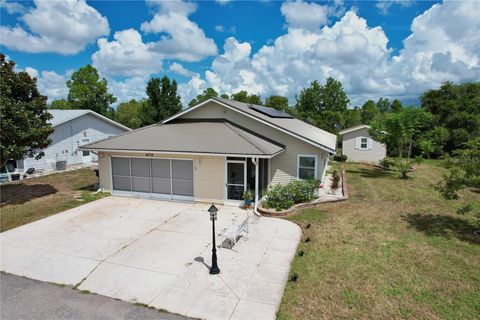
(213, 152)
(73, 128)
(359, 146)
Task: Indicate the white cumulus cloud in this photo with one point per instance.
(64, 27)
(443, 45)
(13, 7)
(181, 70)
(181, 38)
(126, 55)
(384, 5)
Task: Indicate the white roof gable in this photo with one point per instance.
(352, 129)
(61, 116)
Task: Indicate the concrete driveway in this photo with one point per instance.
(157, 253)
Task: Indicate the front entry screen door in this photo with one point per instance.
(235, 180)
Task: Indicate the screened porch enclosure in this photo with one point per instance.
(240, 176)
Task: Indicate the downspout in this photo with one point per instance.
(256, 163)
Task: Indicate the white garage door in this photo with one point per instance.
(160, 178)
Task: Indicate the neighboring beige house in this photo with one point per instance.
(212, 152)
(359, 146)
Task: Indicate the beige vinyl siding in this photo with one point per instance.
(208, 179)
(376, 153)
(283, 167)
(208, 173)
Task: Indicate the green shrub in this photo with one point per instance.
(340, 158)
(386, 163)
(284, 196)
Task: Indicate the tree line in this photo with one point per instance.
(447, 118)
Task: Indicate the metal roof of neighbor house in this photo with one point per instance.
(292, 126)
(190, 137)
(362, 126)
(61, 116)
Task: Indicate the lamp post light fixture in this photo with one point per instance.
(213, 216)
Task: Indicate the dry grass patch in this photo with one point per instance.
(394, 250)
(37, 198)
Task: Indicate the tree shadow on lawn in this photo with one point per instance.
(444, 226)
(372, 173)
(90, 187)
(20, 193)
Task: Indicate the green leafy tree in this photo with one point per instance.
(438, 136)
(88, 91)
(241, 96)
(60, 104)
(383, 105)
(352, 118)
(24, 119)
(205, 95)
(323, 106)
(463, 171)
(334, 97)
(244, 96)
(129, 113)
(309, 101)
(277, 102)
(456, 108)
(400, 132)
(369, 112)
(428, 148)
(162, 102)
(224, 96)
(396, 106)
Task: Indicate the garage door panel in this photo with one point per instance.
(121, 183)
(121, 166)
(182, 188)
(161, 168)
(166, 177)
(140, 167)
(141, 184)
(182, 170)
(161, 186)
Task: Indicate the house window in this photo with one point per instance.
(306, 167)
(363, 143)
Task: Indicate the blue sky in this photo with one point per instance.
(271, 47)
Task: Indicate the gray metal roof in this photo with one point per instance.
(190, 137)
(294, 127)
(61, 116)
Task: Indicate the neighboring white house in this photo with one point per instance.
(73, 128)
(359, 146)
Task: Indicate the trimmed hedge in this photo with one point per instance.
(283, 197)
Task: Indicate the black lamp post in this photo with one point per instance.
(213, 216)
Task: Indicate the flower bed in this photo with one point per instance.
(267, 210)
(281, 197)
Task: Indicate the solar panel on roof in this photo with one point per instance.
(272, 113)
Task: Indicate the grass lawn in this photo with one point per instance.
(394, 250)
(37, 198)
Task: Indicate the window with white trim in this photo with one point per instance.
(363, 143)
(307, 167)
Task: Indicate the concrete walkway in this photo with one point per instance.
(22, 298)
(157, 253)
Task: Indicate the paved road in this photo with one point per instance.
(22, 298)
